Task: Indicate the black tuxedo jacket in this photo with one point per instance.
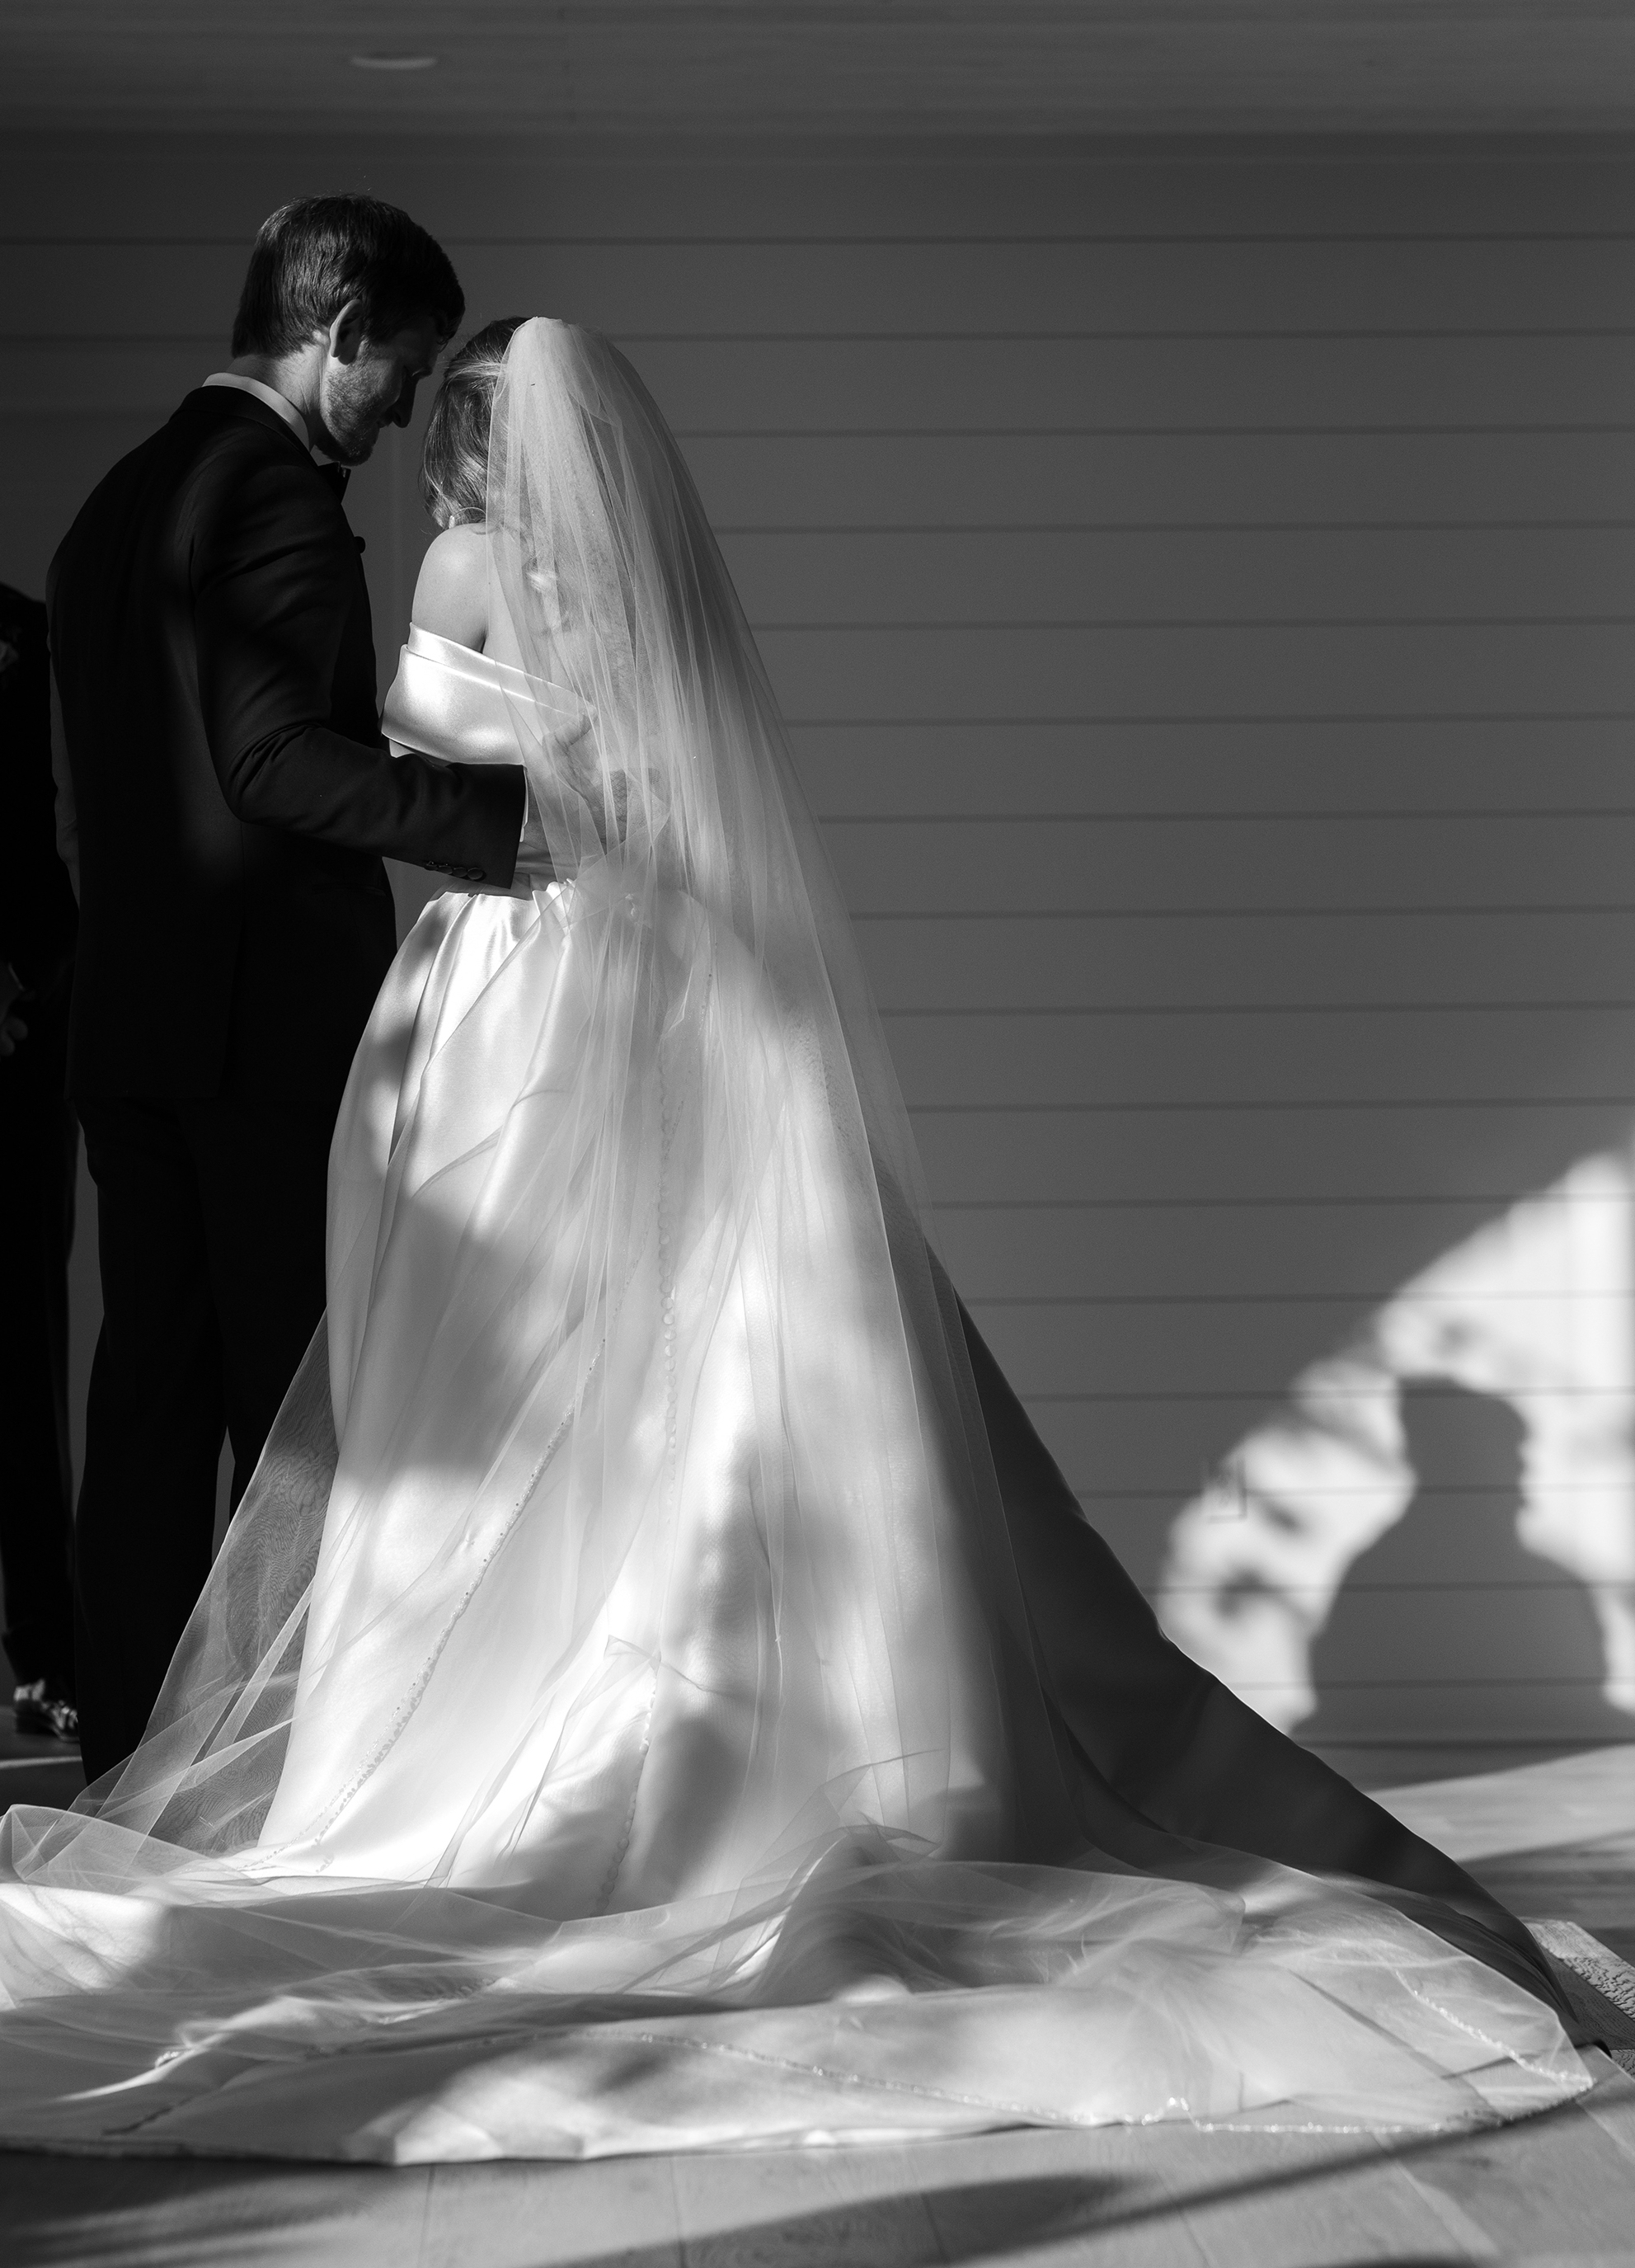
(211, 634)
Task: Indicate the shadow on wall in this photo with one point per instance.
(1434, 1536)
(1451, 1602)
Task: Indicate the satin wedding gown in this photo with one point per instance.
(614, 1722)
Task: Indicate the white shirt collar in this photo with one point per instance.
(274, 400)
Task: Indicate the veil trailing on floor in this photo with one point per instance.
(620, 1627)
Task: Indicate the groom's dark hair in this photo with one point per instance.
(310, 257)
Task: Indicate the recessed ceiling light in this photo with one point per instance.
(393, 62)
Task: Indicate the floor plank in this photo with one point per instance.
(1305, 2201)
(1555, 2183)
(1553, 2189)
(36, 1770)
(777, 2209)
(1612, 2106)
(1571, 1800)
(619, 2212)
(111, 2212)
(1590, 1883)
(1056, 2198)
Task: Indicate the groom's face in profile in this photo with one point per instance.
(366, 383)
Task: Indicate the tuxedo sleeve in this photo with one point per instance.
(271, 567)
(37, 915)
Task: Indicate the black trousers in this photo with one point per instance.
(38, 1160)
(211, 1240)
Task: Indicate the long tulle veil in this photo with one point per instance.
(725, 988)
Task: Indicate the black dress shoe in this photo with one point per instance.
(44, 1707)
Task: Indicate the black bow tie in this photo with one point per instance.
(335, 478)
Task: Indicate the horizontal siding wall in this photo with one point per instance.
(1200, 582)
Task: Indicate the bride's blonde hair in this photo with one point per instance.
(454, 462)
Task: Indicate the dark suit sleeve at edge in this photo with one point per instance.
(272, 571)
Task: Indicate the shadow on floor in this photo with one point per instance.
(1259, 2191)
(102, 2214)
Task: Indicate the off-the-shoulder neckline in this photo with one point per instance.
(465, 661)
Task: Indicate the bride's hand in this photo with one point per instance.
(582, 773)
(536, 863)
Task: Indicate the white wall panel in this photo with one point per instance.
(1201, 585)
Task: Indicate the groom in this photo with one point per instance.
(230, 801)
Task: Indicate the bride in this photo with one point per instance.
(615, 1721)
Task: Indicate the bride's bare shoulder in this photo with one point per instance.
(451, 596)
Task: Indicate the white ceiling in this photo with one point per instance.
(825, 65)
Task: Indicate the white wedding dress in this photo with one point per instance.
(611, 1723)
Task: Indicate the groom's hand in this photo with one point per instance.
(536, 869)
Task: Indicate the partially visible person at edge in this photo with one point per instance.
(39, 1154)
(227, 804)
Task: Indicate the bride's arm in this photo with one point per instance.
(451, 601)
(451, 596)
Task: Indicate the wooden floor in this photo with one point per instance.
(1558, 2189)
